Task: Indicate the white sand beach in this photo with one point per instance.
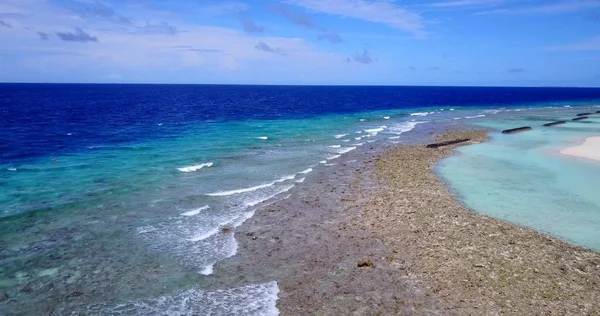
(590, 149)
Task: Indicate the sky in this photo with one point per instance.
(314, 42)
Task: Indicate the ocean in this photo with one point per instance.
(124, 197)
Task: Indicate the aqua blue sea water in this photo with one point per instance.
(523, 178)
(122, 190)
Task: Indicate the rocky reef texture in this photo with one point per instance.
(580, 118)
(555, 123)
(475, 264)
(517, 130)
(380, 234)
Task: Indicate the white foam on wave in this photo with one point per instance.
(340, 136)
(362, 120)
(386, 117)
(200, 246)
(358, 132)
(357, 138)
(330, 164)
(492, 111)
(238, 191)
(335, 146)
(323, 161)
(208, 270)
(375, 131)
(204, 235)
(421, 113)
(358, 144)
(300, 180)
(285, 178)
(195, 211)
(331, 157)
(252, 299)
(476, 116)
(146, 229)
(566, 106)
(11, 169)
(404, 127)
(309, 170)
(344, 150)
(394, 137)
(195, 167)
(262, 137)
(257, 187)
(260, 200)
(345, 140)
(457, 118)
(236, 222)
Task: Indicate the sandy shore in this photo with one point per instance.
(380, 234)
(590, 149)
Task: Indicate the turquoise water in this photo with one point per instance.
(523, 178)
(119, 199)
(141, 220)
(137, 225)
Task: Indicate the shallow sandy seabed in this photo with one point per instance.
(424, 252)
(590, 149)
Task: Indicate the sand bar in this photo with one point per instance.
(590, 149)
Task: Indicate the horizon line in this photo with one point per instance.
(292, 85)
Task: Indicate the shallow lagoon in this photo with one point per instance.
(523, 178)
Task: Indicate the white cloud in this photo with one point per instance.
(375, 11)
(466, 3)
(225, 7)
(195, 53)
(549, 9)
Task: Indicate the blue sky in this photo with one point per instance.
(386, 42)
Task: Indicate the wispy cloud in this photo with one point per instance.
(266, 48)
(466, 3)
(375, 11)
(5, 24)
(331, 37)
(98, 10)
(226, 7)
(549, 9)
(78, 36)
(296, 18)
(206, 50)
(158, 28)
(362, 58)
(190, 48)
(249, 26)
(592, 44)
(306, 22)
(44, 36)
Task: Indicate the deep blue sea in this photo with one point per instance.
(124, 190)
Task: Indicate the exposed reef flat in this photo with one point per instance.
(477, 264)
(381, 234)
